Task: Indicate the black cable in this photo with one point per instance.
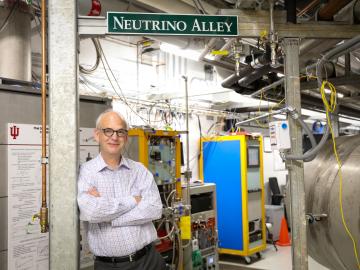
(95, 66)
(202, 7)
(122, 97)
(198, 117)
(197, 7)
(201, 136)
(128, 7)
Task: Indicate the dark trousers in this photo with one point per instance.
(152, 260)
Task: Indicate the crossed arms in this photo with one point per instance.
(120, 211)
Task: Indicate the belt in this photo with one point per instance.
(128, 258)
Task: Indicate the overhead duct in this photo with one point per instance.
(248, 76)
(312, 48)
(328, 70)
(327, 12)
(15, 41)
(356, 11)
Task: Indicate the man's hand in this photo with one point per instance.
(93, 192)
(138, 199)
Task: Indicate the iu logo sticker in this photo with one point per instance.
(14, 132)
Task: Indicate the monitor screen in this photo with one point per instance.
(253, 156)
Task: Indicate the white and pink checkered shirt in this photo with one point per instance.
(117, 225)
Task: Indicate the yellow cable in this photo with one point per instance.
(277, 104)
(259, 124)
(270, 109)
(331, 108)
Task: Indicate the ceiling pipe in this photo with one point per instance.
(267, 88)
(208, 47)
(327, 12)
(225, 47)
(246, 76)
(356, 11)
(308, 7)
(232, 80)
(263, 108)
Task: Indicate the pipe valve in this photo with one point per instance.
(237, 50)
(44, 220)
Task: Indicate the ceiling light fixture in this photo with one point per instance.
(172, 49)
(339, 95)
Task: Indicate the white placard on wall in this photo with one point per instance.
(28, 249)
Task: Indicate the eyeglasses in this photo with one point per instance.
(108, 132)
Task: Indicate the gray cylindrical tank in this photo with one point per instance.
(15, 44)
(328, 242)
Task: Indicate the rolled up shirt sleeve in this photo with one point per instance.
(150, 206)
(100, 209)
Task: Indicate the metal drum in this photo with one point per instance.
(15, 43)
(328, 242)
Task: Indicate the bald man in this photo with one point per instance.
(118, 199)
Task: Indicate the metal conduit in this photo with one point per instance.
(44, 223)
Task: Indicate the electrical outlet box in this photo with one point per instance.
(279, 135)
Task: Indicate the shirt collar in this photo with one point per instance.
(101, 164)
(124, 163)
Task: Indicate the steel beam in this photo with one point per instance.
(64, 130)
(296, 168)
(252, 24)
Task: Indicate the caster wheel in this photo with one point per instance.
(258, 255)
(247, 259)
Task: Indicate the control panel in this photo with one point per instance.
(162, 156)
(279, 135)
(204, 227)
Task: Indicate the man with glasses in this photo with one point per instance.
(118, 199)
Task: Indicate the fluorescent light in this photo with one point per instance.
(210, 57)
(327, 91)
(190, 54)
(339, 95)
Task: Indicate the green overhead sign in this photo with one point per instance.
(171, 24)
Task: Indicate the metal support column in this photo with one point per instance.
(63, 108)
(296, 168)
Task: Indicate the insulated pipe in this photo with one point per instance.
(327, 12)
(357, 11)
(226, 46)
(308, 7)
(328, 70)
(233, 79)
(268, 87)
(208, 47)
(44, 223)
(246, 76)
(293, 113)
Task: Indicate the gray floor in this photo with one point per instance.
(271, 260)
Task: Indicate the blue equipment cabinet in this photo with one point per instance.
(235, 165)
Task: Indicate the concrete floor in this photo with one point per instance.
(271, 260)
